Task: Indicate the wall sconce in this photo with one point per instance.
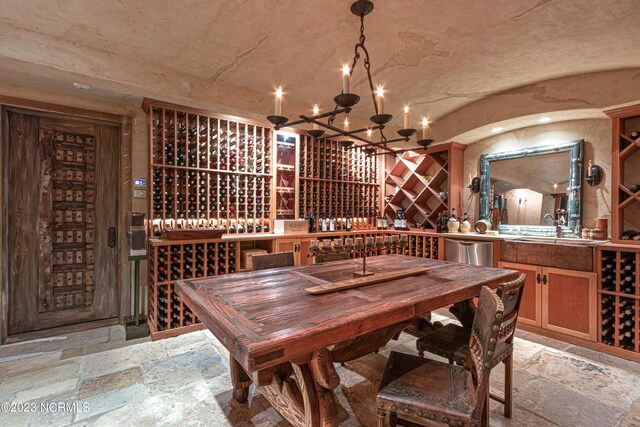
(474, 185)
(594, 174)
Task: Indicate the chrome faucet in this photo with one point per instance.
(557, 222)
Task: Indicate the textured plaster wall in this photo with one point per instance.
(597, 136)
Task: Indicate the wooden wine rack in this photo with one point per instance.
(625, 173)
(339, 181)
(424, 183)
(619, 299)
(208, 171)
(171, 262)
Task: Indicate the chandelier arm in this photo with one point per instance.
(352, 132)
(382, 144)
(400, 151)
(305, 119)
(342, 132)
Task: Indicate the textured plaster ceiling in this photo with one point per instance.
(438, 55)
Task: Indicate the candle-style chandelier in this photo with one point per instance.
(345, 101)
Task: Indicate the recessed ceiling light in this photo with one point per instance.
(544, 119)
(81, 86)
(496, 129)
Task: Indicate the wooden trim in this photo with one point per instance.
(630, 110)
(61, 330)
(125, 204)
(41, 107)
(147, 103)
(170, 333)
(614, 351)
(4, 270)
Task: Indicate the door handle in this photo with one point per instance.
(544, 279)
(112, 237)
(538, 278)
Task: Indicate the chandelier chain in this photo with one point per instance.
(367, 67)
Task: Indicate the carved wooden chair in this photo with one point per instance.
(428, 390)
(452, 341)
(274, 260)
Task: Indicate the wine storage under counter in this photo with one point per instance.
(171, 262)
(619, 298)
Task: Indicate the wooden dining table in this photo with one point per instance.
(285, 340)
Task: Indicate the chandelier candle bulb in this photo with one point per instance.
(405, 123)
(316, 111)
(380, 99)
(369, 134)
(346, 79)
(278, 108)
(425, 128)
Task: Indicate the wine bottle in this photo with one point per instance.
(324, 225)
(348, 222)
(332, 223)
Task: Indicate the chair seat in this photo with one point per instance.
(427, 389)
(452, 342)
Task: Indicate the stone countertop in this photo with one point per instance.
(528, 239)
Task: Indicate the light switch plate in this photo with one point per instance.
(139, 194)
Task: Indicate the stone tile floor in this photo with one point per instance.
(106, 381)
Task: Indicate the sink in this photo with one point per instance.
(565, 252)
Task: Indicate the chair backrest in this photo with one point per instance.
(482, 344)
(275, 260)
(511, 294)
(332, 257)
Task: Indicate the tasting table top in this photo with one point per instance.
(266, 317)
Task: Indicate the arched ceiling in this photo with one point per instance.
(441, 56)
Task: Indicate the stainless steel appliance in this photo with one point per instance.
(469, 252)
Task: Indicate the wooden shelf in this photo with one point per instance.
(625, 173)
(339, 181)
(619, 297)
(406, 178)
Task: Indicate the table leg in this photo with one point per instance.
(240, 380)
(306, 398)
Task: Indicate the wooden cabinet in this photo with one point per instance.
(559, 300)
(299, 247)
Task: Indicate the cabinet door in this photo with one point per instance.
(569, 302)
(304, 252)
(289, 245)
(531, 304)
